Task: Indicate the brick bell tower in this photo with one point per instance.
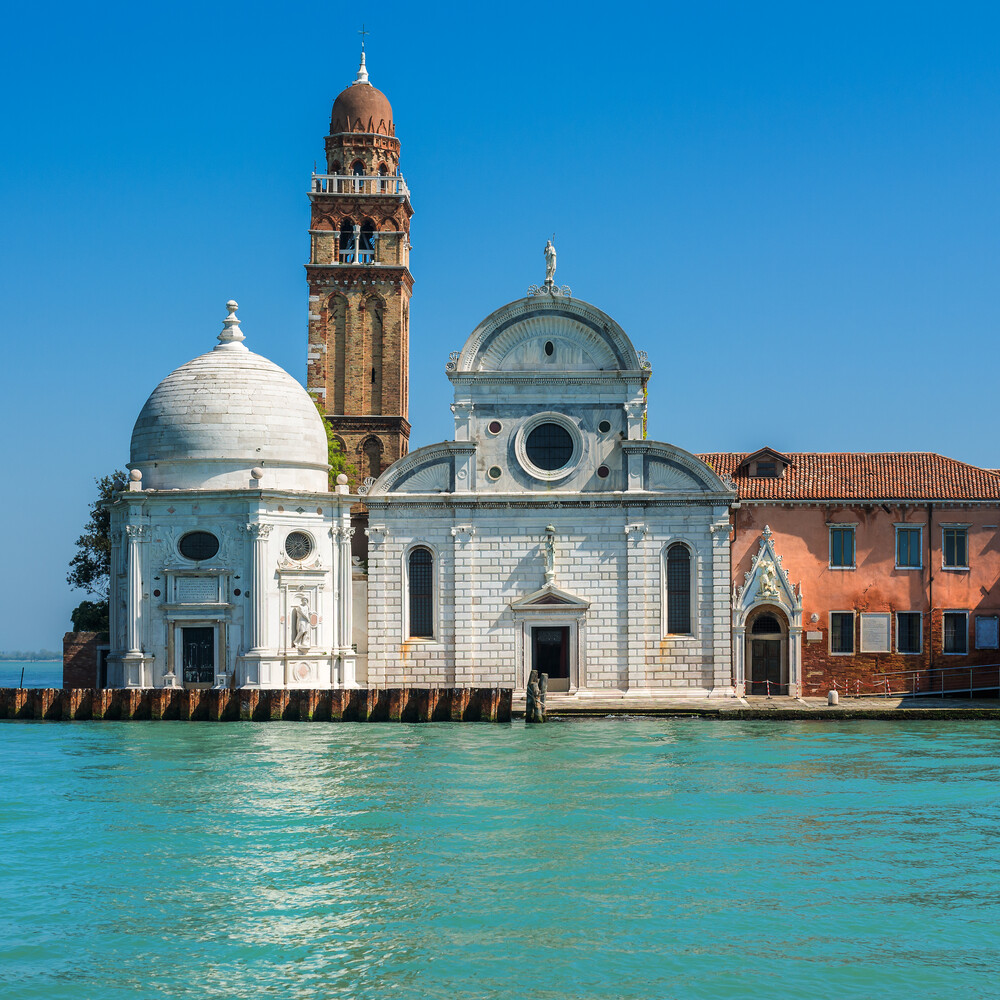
(360, 282)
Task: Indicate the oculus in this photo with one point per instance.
(604, 426)
(198, 545)
(298, 545)
(549, 447)
(495, 472)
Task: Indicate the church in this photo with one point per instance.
(549, 533)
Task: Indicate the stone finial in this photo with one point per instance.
(341, 486)
(232, 335)
(134, 481)
(256, 472)
(362, 76)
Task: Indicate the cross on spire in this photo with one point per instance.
(362, 33)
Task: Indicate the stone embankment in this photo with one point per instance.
(781, 709)
(357, 705)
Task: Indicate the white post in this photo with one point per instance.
(257, 611)
(133, 592)
(345, 610)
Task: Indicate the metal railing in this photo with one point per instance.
(939, 681)
(359, 184)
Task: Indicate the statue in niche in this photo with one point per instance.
(302, 624)
(550, 262)
(767, 585)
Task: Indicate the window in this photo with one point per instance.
(842, 547)
(987, 632)
(955, 548)
(298, 545)
(956, 631)
(549, 447)
(678, 590)
(841, 631)
(767, 470)
(198, 545)
(421, 585)
(373, 457)
(875, 635)
(908, 632)
(908, 548)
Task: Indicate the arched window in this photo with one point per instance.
(421, 584)
(347, 247)
(358, 169)
(678, 590)
(336, 321)
(367, 248)
(765, 624)
(373, 457)
(374, 319)
(383, 171)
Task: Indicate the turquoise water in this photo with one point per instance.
(37, 673)
(618, 859)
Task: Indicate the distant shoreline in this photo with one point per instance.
(29, 659)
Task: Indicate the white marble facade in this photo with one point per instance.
(231, 561)
(550, 532)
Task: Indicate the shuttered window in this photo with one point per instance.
(421, 582)
(678, 590)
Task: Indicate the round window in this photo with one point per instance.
(199, 545)
(604, 426)
(298, 545)
(495, 427)
(495, 472)
(603, 471)
(549, 447)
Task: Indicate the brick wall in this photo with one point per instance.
(80, 651)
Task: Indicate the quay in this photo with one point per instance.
(759, 707)
(257, 705)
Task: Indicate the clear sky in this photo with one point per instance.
(793, 207)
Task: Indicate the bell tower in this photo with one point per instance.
(359, 281)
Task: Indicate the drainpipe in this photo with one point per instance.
(930, 587)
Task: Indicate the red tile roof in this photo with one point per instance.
(894, 475)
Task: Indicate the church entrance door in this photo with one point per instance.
(767, 640)
(198, 652)
(550, 655)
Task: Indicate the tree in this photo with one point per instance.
(90, 568)
(335, 455)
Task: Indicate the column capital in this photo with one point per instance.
(258, 530)
(136, 531)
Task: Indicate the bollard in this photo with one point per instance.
(832, 698)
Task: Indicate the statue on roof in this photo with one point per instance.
(550, 262)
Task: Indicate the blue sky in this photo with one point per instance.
(792, 207)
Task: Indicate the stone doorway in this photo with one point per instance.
(767, 653)
(198, 655)
(550, 654)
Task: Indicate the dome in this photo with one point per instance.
(227, 412)
(362, 108)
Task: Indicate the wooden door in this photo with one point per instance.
(765, 666)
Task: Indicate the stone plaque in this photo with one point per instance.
(875, 633)
(814, 636)
(197, 589)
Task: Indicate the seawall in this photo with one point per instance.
(356, 705)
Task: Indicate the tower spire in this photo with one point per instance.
(362, 76)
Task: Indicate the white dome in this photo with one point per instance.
(227, 412)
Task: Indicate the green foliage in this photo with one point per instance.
(335, 455)
(90, 616)
(90, 568)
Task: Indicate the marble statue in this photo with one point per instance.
(302, 623)
(550, 262)
(767, 586)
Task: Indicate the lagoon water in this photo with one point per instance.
(31, 673)
(608, 859)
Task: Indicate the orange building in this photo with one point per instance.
(851, 569)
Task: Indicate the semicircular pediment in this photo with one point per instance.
(514, 337)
